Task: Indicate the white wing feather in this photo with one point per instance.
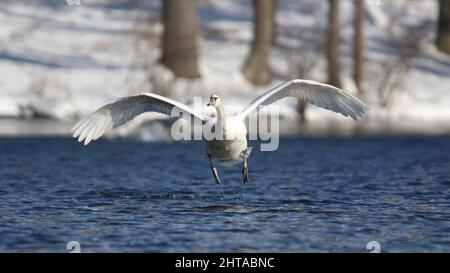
(322, 95)
(123, 110)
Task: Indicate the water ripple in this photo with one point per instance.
(325, 194)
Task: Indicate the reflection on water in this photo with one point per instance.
(326, 194)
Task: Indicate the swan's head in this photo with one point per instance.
(214, 100)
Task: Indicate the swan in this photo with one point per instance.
(232, 147)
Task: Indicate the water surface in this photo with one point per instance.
(325, 194)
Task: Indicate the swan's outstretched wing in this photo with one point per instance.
(322, 95)
(123, 110)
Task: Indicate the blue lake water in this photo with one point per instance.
(323, 194)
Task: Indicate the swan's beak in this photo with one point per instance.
(212, 101)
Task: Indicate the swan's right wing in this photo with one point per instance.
(123, 110)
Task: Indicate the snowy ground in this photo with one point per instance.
(61, 62)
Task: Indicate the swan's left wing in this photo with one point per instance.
(125, 109)
(322, 95)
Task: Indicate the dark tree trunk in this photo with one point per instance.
(256, 68)
(274, 24)
(333, 44)
(443, 35)
(358, 46)
(179, 42)
(302, 105)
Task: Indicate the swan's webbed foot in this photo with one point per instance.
(214, 169)
(246, 153)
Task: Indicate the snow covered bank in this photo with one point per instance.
(62, 62)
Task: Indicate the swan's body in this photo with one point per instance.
(229, 150)
(231, 147)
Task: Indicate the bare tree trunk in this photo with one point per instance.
(333, 44)
(302, 105)
(179, 43)
(443, 35)
(358, 46)
(274, 24)
(256, 68)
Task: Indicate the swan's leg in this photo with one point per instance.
(245, 167)
(213, 169)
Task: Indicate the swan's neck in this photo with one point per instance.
(221, 118)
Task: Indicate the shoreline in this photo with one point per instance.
(13, 127)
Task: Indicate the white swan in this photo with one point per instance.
(232, 147)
